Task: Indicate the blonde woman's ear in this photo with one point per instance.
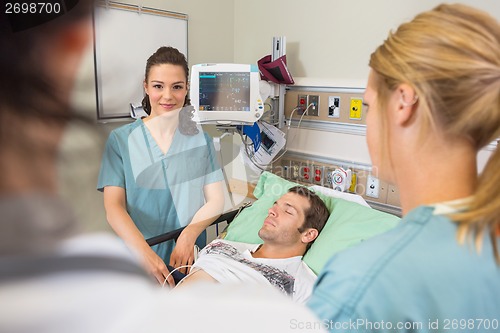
(407, 101)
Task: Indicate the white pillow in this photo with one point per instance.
(337, 194)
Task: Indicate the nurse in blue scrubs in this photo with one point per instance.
(160, 172)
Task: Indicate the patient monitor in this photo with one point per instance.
(226, 94)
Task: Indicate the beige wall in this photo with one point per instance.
(210, 39)
(329, 43)
(210, 27)
(326, 39)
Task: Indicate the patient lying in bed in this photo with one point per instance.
(292, 225)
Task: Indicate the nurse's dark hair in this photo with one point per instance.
(317, 214)
(171, 55)
(450, 56)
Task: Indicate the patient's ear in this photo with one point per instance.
(309, 235)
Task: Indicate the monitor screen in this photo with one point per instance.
(226, 94)
(224, 91)
(267, 142)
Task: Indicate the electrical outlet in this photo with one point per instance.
(333, 106)
(317, 177)
(305, 173)
(314, 108)
(372, 187)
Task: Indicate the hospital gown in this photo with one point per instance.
(163, 191)
(233, 262)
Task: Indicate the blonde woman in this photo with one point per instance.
(433, 100)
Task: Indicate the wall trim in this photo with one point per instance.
(328, 126)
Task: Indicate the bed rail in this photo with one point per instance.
(174, 234)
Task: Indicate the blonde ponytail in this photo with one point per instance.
(483, 215)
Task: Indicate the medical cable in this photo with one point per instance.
(271, 113)
(305, 112)
(249, 155)
(262, 167)
(291, 116)
(298, 126)
(175, 269)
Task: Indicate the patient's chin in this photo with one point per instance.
(265, 234)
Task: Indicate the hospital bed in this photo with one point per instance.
(351, 220)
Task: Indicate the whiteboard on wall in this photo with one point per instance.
(125, 37)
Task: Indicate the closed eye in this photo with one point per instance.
(290, 209)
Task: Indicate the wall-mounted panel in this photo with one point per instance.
(315, 170)
(326, 105)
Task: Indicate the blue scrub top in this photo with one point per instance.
(415, 277)
(163, 191)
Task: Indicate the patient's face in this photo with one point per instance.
(285, 217)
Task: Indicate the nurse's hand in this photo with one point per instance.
(183, 254)
(156, 266)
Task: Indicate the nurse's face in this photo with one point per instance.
(373, 124)
(166, 87)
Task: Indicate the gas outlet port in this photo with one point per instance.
(301, 104)
(313, 101)
(372, 187)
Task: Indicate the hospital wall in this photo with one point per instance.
(326, 39)
(329, 43)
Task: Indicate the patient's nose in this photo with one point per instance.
(272, 211)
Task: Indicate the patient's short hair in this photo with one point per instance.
(317, 214)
